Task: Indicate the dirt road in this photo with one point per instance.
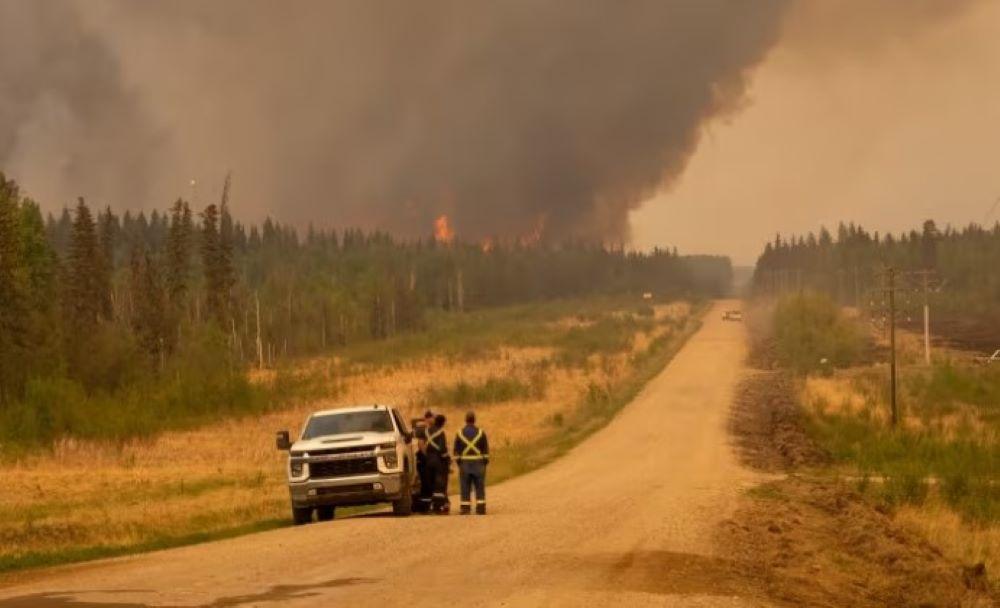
(626, 518)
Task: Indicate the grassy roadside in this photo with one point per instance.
(938, 473)
(569, 367)
(89, 553)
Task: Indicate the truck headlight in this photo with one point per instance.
(390, 459)
(296, 468)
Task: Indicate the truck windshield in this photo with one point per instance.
(375, 421)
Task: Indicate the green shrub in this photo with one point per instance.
(200, 385)
(492, 390)
(812, 334)
(608, 335)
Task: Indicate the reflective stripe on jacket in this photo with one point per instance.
(471, 444)
(436, 440)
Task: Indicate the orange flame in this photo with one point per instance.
(442, 230)
(535, 235)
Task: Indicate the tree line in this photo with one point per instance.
(102, 301)
(960, 264)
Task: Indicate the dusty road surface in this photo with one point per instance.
(626, 518)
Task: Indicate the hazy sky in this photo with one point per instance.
(886, 124)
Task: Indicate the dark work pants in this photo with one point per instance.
(426, 484)
(437, 471)
(472, 474)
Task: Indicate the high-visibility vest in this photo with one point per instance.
(432, 440)
(471, 451)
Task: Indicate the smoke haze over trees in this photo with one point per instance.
(850, 267)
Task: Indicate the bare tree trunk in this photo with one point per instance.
(392, 317)
(323, 334)
(260, 345)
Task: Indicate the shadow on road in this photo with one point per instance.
(278, 593)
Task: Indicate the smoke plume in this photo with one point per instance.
(68, 123)
(509, 117)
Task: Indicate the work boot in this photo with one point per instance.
(481, 508)
(465, 510)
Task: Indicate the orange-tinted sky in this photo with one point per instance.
(884, 119)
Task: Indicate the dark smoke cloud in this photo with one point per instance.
(68, 124)
(501, 114)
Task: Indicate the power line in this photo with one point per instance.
(989, 213)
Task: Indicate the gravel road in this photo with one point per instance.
(626, 518)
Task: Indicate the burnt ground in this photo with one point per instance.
(767, 425)
(808, 539)
(976, 334)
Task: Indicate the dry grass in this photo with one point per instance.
(956, 538)
(855, 395)
(832, 395)
(228, 475)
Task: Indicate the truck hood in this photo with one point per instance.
(347, 440)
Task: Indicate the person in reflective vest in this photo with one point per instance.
(423, 504)
(437, 463)
(472, 450)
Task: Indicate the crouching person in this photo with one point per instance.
(472, 450)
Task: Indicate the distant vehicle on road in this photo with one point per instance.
(350, 456)
(732, 315)
(994, 358)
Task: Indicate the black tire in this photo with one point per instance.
(302, 515)
(404, 506)
(325, 512)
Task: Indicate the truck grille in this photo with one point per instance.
(358, 488)
(330, 451)
(342, 468)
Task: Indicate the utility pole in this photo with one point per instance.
(260, 345)
(927, 321)
(892, 345)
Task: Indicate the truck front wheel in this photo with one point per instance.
(404, 506)
(302, 515)
(324, 513)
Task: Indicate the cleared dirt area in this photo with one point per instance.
(626, 518)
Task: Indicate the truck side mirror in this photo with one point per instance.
(282, 441)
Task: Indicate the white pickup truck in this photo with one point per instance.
(350, 456)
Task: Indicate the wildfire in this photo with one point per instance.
(534, 236)
(443, 232)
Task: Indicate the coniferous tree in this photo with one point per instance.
(180, 240)
(84, 284)
(213, 266)
(149, 320)
(12, 292)
(226, 270)
(40, 266)
(107, 233)
(84, 291)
